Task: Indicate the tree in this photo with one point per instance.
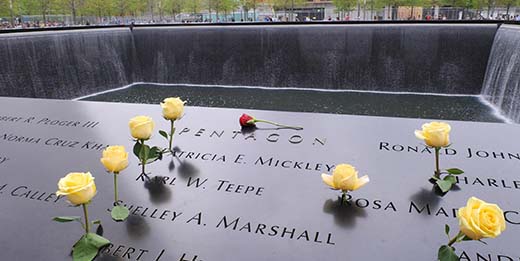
(44, 6)
(175, 7)
(247, 5)
(7, 9)
(229, 5)
(374, 4)
(161, 7)
(121, 7)
(72, 6)
(193, 6)
(99, 8)
(508, 4)
(343, 6)
(222, 5)
(136, 7)
(288, 4)
(491, 7)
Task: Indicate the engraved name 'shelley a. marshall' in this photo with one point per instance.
(238, 224)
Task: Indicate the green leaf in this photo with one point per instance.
(145, 151)
(66, 219)
(444, 185)
(137, 149)
(88, 246)
(154, 152)
(446, 253)
(119, 213)
(150, 161)
(451, 178)
(164, 134)
(447, 230)
(455, 171)
(96, 222)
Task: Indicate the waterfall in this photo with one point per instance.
(66, 64)
(501, 84)
(427, 58)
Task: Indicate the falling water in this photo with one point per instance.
(52, 64)
(427, 58)
(502, 81)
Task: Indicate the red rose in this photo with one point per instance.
(250, 121)
(247, 121)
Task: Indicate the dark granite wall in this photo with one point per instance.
(408, 57)
(440, 58)
(66, 64)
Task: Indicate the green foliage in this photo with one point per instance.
(174, 7)
(247, 5)
(108, 8)
(507, 4)
(164, 134)
(119, 213)
(287, 4)
(444, 185)
(344, 5)
(88, 246)
(66, 219)
(193, 6)
(146, 154)
(447, 253)
(99, 8)
(455, 171)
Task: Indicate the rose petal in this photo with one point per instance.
(419, 135)
(348, 183)
(361, 182)
(327, 179)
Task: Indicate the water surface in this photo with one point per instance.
(409, 105)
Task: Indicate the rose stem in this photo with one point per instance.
(143, 161)
(171, 135)
(437, 171)
(85, 212)
(279, 125)
(343, 196)
(115, 188)
(454, 239)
